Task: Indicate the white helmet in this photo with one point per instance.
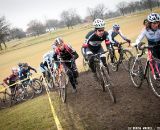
(153, 17)
(99, 23)
(14, 70)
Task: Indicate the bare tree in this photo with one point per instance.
(97, 12)
(121, 6)
(51, 23)
(4, 31)
(70, 18)
(35, 27)
(17, 33)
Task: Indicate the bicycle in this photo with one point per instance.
(7, 99)
(50, 75)
(124, 56)
(35, 83)
(63, 79)
(151, 72)
(102, 75)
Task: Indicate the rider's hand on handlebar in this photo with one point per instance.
(129, 41)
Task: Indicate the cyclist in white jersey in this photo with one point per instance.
(152, 33)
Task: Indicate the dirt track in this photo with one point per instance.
(92, 109)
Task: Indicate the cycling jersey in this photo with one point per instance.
(10, 79)
(23, 73)
(66, 54)
(153, 37)
(112, 34)
(48, 57)
(93, 41)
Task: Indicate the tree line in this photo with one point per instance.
(70, 17)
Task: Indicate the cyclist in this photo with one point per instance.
(48, 57)
(92, 44)
(152, 33)
(112, 34)
(11, 80)
(23, 74)
(66, 52)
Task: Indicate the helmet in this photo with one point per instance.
(99, 23)
(14, 70)
(25, 65)
(153, 17)
(58, 41)
(116, 27)
(20, 64)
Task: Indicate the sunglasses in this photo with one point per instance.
(100, 30)
(155, 22)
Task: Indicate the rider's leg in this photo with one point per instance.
(83, 50)
(103, 58)
(90, 59)
(111, 52)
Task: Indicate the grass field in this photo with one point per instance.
(36, 114)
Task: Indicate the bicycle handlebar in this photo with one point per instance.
(98, 54)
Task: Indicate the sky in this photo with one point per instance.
(20, 12)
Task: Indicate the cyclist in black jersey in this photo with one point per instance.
(93, 42)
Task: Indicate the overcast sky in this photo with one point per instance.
(20, 12)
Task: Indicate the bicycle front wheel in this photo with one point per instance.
(154, 83)
(63, 86)
(5, 100)
(29, 91)
(136, 72)
(99, 76)
(108, 83)
(126, 59)
(37, 86)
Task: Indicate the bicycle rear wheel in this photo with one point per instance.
(126, 59)
(5, 100)
(136, 72)
(154, 83)
(108, 83)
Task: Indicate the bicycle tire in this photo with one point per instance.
(154, 84)
(136, 72)
(126, 60)
(108, 84)
(29, 91)
(5, 100)
(37, 86)
(63, 87)
(99, 76)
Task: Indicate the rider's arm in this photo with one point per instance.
(31, 68)
(110, 36)
(140, 37)
(73, 52)
(123, 37)
(6, 80)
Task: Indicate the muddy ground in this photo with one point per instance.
(92, 109)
